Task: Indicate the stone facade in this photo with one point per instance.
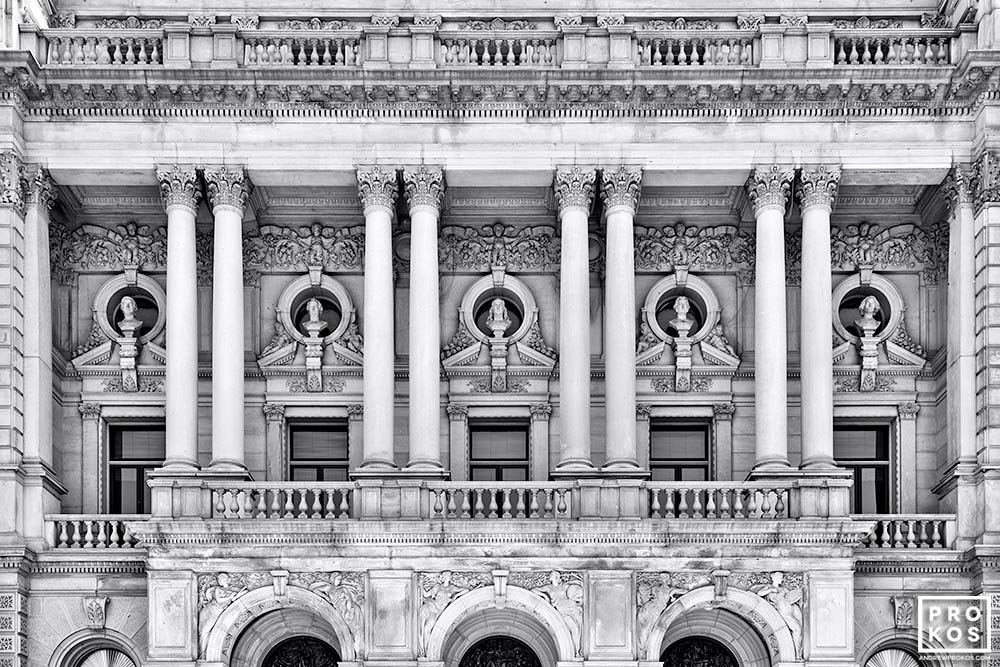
(413, 227)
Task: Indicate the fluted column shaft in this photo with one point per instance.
(816, 197)
(620, 191)
(39, 195)
(574, 190)
(179, 187)
(377, 189)
(768, 190)
(423, 189)
(227, 192)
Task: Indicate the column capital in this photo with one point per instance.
(90, 410)
(377, 187)
(986, 180)
(227, 186)
(274, 412)
(819, 186)
(769, 186)
(621, 187)
(355, 412)
(574, 186)
(423, 186)
(12, 180)
(457, 412)
(724, 411)
(957, 186)
(178, 185)
(908, 410)
(642, 411)
(39, 188)
(540, 411)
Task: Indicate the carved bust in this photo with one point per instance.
(498, 320)
(682, 307)
(868, 308)
(129, 323)
(314, 309)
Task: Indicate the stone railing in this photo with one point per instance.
(465, 500)
(695, 48)
(909, 531)
(334, 48)
(90, 531)
(283, 500)
(892, 48)
(717, 500)
(467, 48)
(93, 47)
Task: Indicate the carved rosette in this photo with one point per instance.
(179, 186)
(575, 187)
(377, 187)
(621, 187)
(423, 186)
(819, 186)
(39, 188)
(227, 186)
(986, 180)
(957, 186)
(769, 186)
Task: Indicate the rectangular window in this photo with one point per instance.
(498, 451)
(679, 451)
(317, 451)
(864, 450)
(134, 451)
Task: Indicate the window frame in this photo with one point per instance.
(666, 424)
(890, 463)
(495, 425)
(291, 464)
(119, 425)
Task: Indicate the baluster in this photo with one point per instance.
(519, 502)
(841, 53)
(339, 52)
(944, 48)
(910, 534)
(752, 504)
(724, 503)
(937, 538)
(321, 54)
(261, 512)
(52, 55)
(102, 534)
(765, 504)
(738, 509)
(345, 504)
(506, 504)
(66, 54)
(561, 505)
(289, 506)
(922, 536)
(710, 504)
(867, 540)
(746, 52)
(895, 51)
(77, 538)
(712, 52)
(682, 505)
(248, 504)
(463, 52)
(466, 508)
(127, 539)
(779, 504)
(893, 537)
(668, 510)
(866, 56)
(220, 507)
(493, 493)
(447, 54)
(142, 57)
(853, 57)
(548, 502)
(303, 505)
(645, 53)
(89, 46)
(658, 56)
(533, 508)
(733, 53)
(88, 538)
(437, 507)
(878, 56)
(479, 504)
(78, 56)
(63, 535)
(688, 57)
(654, 503)
(696, 504)
(451, 504)
(131, 56)
(317, 506)
(550, 52)
(154, 54)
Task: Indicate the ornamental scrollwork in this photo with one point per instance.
(719, 248)
(130, 23)
(423, 186)
(227, 186)
(93, 248)
(865, 23)
(750, 22)
(563, 591)
(818, 186)
(314, 24)
(621, 187)
(179, 185)
(498, 245)
(497, 25)
(928, 20)
(377, 187)
(12, 180)
(275, 248)
(439, 589)
(65, 20)
(986, 180)
(898, 248)
(681, 24)
(245, 22)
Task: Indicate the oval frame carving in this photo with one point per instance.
(114, 285)
(487, 284)
(333, 288)
(880, 284)
(696, 285)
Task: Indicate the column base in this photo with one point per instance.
(227, 467)
(768, 467)
(178, 467)
(575, 468)
(376, 465)
(624, 468)
(819, 463)
(426, 469)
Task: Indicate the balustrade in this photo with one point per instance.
(330, 50)
(926, 531)
(140, 48)
(692, 500)
(498, 50)
(892, 49)
(500, 501)
(90, 531)
(284, 500)
(687, 50)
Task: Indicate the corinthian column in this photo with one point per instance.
(816, 197)
(574, 189)
(423, 188)
(179, 187)
(620, 191)
(39, 196)
(377, 189)
(768, 189)
(227, 193)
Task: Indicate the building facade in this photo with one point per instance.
(396, 334)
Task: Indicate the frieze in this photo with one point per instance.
(750, 22)
(439, 589)
(487, 385)
(498, 245)
(563, 590)
(899, 248)
(680, 24)
(666, 384)
(719, 248)
(143, 385)
(314, 24)
(276, 248)
(312, 384)
(130, 23)
(865, 23)
(497, 25)
(93, 248)
(853, 384)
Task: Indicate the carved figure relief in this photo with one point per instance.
(498, 246)
(438, 590)
(563, 591)
(329, 248)
(345, 591)
(655, 591)
(218, 591)
(783, 590)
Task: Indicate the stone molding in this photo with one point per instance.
(377, 187)
(769, 186)
(574, 186)
(621, 187)
(423, 186)
(957, 187)
(227, 186)
(179, 185)
(818, 186)
(39, 188)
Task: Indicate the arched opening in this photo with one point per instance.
(302, 652)
(698, 652)
(500, 651)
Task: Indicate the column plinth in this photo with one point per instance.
(574, 189)
(423, 188)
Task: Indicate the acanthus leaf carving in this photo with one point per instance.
(179, 185)
(719, 248)
(227, 186)
(129, 23)
(681, 24)
(574, 186)
(245, 22)
(769, 186)
(377, 187)
(423, 186)
(750, 21)
(497, 25)
(898, 248)
(818, 186)
(621, 187)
